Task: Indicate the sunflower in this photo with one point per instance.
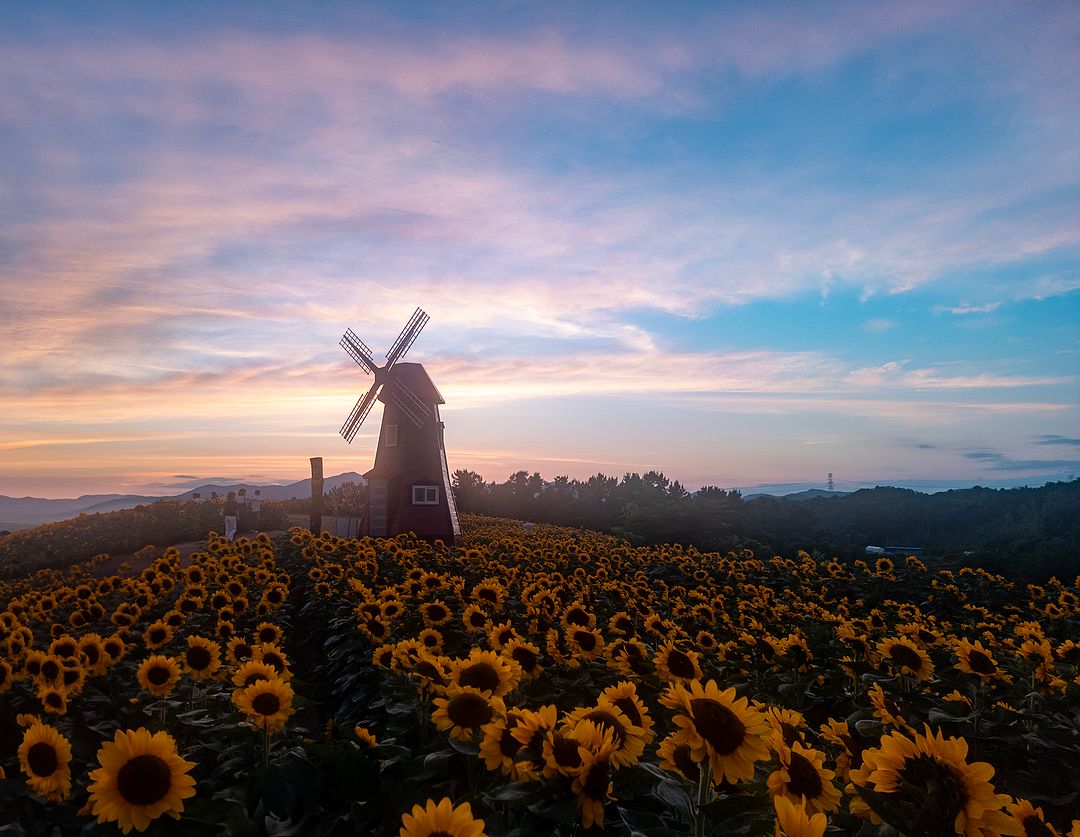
(267, 703)
(91, 647)
(801, 775)
(787, 723)
(465, 710)
(532, 729)
(53, 699)
(238, 650)
(435, 613)
(906, 657)
(267, 632)
(476, 619)
(629, 738)
(526, 655)
(499, 748)
(624, 695)
(932, 775)
(792, 820)
(272, 655)
(675, 666)
(592, 783)
(974, 659)
(564, 755)
(886, 709)
(252, 672)
(6, 678)
(676, 755)
(432, 640)
(158, 634)
(141, 777)
(487, 671)
(365, 737)
(726, 729)
(202, 658)
(1031, 819)
(45, 758)
(433, 670)
(584, 643)
(441, 819)
(159, 675)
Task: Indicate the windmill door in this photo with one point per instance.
(379, 488)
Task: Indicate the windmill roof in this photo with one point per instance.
(416, 378)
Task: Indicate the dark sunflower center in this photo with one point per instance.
(267, 635)
(927, 637)
(266, 703)
(979, 663)
(585, 639)
(625, 625)
(597, 781)
(158, 675)
(789, 733)
(680, 665)
(608, 721)
(905, 656)
(198, 658)
(577, 616)
(436, 613)
(144, 780)
(157, 635)
(805, 780)
(477, 619)
(629, 709)
(488, 595)
(565, 751)
(275, 661)
(54, 699)
(482, 676)
(92, 654)
(50, 670)
(469, 711)
(242, 651)
(685, 763)
(427, 669)
(508, 745)
(718, 725)
(42, 759)
(524, 658)
(1034, 827)
(933, 785)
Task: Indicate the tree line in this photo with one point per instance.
(1032, 532)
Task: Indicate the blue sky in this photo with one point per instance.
(741, 243)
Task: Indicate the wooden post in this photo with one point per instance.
(315, 523)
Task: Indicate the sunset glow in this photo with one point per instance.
(742, 244)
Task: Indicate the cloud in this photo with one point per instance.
(1001, 462)
(1056, 440)
(985, 308)
(878, 325)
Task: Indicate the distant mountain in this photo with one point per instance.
(809, 494)
(25, 512)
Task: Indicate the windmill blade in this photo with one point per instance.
(408, 335)
(359, 413)
(410, 403)
(358, 350)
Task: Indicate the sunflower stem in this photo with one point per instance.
(703, 794)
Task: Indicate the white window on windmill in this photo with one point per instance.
(425, 495)
(391, 435)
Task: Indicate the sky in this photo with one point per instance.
(741, 243)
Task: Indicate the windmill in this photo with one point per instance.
(409, 486)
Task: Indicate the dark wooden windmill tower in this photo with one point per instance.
(409, 487)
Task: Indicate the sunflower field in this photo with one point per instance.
(540, 682)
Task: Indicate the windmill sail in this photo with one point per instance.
(358, 350)
(359, 413)
(407, 337)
